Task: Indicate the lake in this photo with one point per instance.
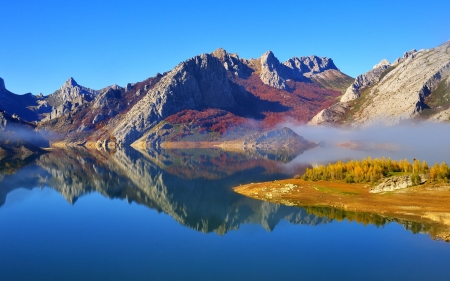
(171, 215)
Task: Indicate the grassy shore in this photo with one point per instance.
(426, 204)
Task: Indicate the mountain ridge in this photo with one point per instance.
(204, 84)
(414, 87)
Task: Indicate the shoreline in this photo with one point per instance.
(427, 203)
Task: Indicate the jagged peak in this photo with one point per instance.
(269, 60)
(219, 53)
(268, 54)
(383, 62)
(70, 83)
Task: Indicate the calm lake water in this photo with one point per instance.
(171, 215)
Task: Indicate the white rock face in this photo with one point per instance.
(365, 80)
(382, 63)
(398, 94)
(392, 183)
(272, 71)
(200, 81)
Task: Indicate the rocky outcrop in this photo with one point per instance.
(277, 139)
(272, 71)
(276, 74)
(330, 115)
(407, 55)
(232, 63)
(68, 98)
(365, 80)
(394, 183)
(309, 66)
(199, 82)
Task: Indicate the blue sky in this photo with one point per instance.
(100, 43)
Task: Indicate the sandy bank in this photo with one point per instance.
(429, 203)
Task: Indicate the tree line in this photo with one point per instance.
(372, 170)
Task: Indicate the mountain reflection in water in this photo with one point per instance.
(193, 186)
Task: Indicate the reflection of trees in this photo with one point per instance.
(436, 231)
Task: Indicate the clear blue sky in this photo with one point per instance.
(100, 43)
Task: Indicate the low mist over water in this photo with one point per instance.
(424, 141)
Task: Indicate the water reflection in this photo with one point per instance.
(192, 186)
(435, 230)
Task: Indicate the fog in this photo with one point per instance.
(425, 141)
(22, 134)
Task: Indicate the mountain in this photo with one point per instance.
(210, 97)
(68, 98)
(413, 87)
(28, 107)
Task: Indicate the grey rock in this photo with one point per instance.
(272, 71)
(276, 74)
(365, 80)
(331, 114)
(232, 63)
(395, 183)
(399, 91)
(198, 82)
(407, 55)
(68, 98)
(309, 66)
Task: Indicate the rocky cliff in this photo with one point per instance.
(68, 98)
(199, 82)
(415, 86)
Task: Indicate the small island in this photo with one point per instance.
(399, 190)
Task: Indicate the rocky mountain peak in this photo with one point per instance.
(220, 53)
(70, 83)
(308, 66)
(275, 74)
(269, 61)
(365, 80)
(382, 63)
(198, 82)
(407, 55)
(272, 73)
(232, 63)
